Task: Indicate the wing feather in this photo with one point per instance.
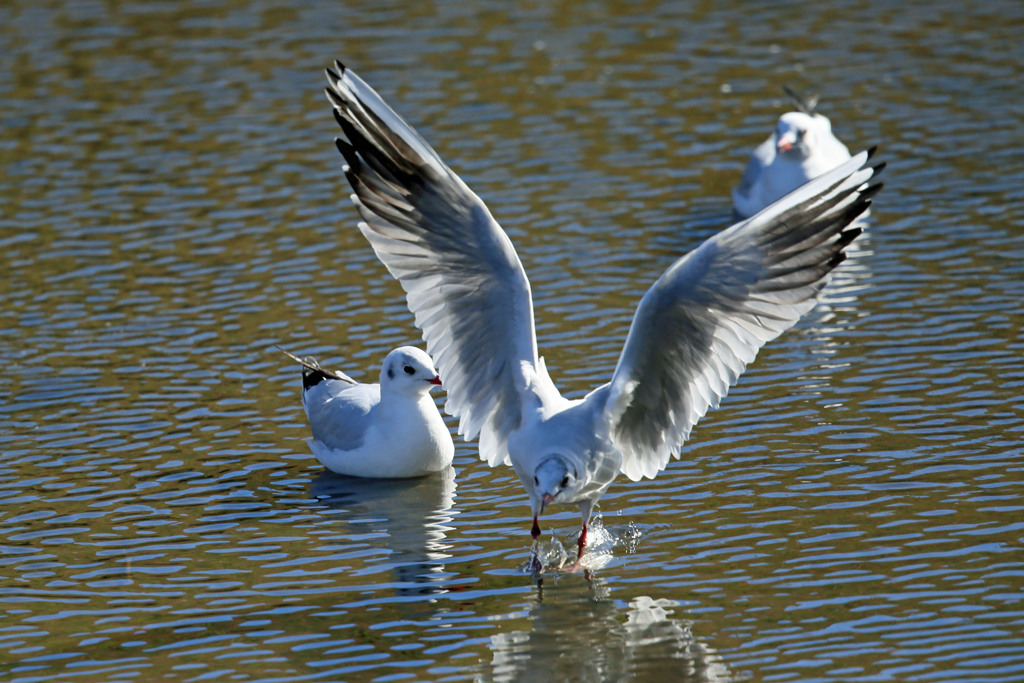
(704, 320)
(464, 282)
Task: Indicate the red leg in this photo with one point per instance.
(535, 563)
(582, 543)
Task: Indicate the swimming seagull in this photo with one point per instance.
(801, 147)
(387, 430)
(693, 333)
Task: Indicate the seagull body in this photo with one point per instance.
(693, 333)
(386, 430)
(801, 147)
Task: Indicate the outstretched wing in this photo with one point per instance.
(463, 280)
(705, 319)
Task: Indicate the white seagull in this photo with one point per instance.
(387, 430)
(802, 147)
(693, 333)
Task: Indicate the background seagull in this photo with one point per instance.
(386, 430)
(802, 147)
(692, 335)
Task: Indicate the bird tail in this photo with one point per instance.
(313, 374)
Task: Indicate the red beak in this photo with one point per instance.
(436, 380)
(785, 145)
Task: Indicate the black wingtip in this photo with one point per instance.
(339, 118)
(348, 152)
(334, 98)
(871, 190)
(335, 74)
(847, 236)
(311, 377)
(352, 134)
(808, 105)
(344, 147)
(312, 373)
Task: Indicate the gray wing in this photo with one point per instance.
(340, 413)
(463, 280)
(705, 319)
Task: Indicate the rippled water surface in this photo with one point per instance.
(173, 208)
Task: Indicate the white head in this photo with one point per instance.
(408, 370)
(796, 133)
(554, 480)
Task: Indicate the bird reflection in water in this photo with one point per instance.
(578, 632)
(412, 514)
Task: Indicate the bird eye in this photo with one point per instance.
(565, 481)
(408, 369)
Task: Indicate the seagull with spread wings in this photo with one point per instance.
(693, 334)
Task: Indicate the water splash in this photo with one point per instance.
(557, 553)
